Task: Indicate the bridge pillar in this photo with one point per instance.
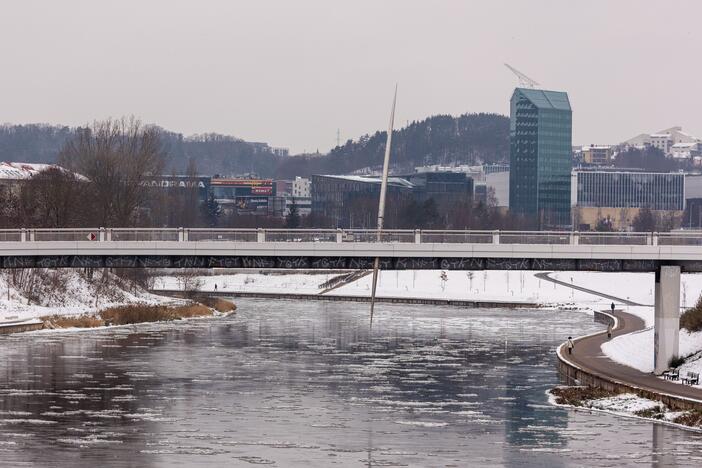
(417, 236)
(495, 237)
(666, 325)
(339, 236)
(260, 235)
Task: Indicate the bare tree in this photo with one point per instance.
(50, 198)
(116, 156)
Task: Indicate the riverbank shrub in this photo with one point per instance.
(692, 418)
(140, 313)
(217, 303)
(691, 319)
(575, 396)
(81, 321)
(657, 412)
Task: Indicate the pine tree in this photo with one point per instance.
(292, 220)
(212, 211)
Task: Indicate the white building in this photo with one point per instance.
(301, 187)
(665, 140)
(685, 150)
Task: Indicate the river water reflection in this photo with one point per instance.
(289, 383)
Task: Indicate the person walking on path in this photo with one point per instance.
(215, 287)
(612, 307)
(571, 345)
(609, 330)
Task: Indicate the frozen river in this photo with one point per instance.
(288, 384)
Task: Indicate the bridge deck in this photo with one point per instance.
(353, 249)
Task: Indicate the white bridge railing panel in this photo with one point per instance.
(678, 238)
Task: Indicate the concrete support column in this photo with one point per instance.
(495, 237)
(339, 236)
(260, 235)
(417, 236)
(667, 317)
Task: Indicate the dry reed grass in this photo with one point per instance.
(81, 321)
(217, 303)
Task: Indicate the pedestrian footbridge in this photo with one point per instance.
(666, 254)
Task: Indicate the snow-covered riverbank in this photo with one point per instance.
(623, 404)
(522, 286)
(69, 292)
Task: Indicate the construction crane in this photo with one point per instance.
(524, 81)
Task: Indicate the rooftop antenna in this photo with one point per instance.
(381, 203)
(524, 81)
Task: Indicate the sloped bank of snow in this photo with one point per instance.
(636, 350)
(69, 292)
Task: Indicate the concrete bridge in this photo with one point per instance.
(666, 254)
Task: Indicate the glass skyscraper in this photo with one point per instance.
(540, 156)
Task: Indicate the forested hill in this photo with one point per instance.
(212, 153)
(34, 143)
(441, 139)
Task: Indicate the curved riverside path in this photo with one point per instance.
(588, 356)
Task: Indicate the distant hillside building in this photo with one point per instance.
(14, 174)
(540, 156)
(665, 140)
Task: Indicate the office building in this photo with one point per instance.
(618, 196)
(540, 156)
(245, 196)
(597, 155)
(352, 201)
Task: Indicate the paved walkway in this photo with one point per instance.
(545, 276)
(588, 355)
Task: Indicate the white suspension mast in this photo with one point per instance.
(381, 203)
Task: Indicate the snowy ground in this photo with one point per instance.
(520, 286)
(80, 296)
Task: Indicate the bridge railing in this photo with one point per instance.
(679, 238)
(616, 238)
(10, 235)
(125, 234)
(456, 237)
(232, 235)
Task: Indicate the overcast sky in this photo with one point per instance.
(291, 72)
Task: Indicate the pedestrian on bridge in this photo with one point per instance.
(571, 345)
(612, 307)
(609, 330)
